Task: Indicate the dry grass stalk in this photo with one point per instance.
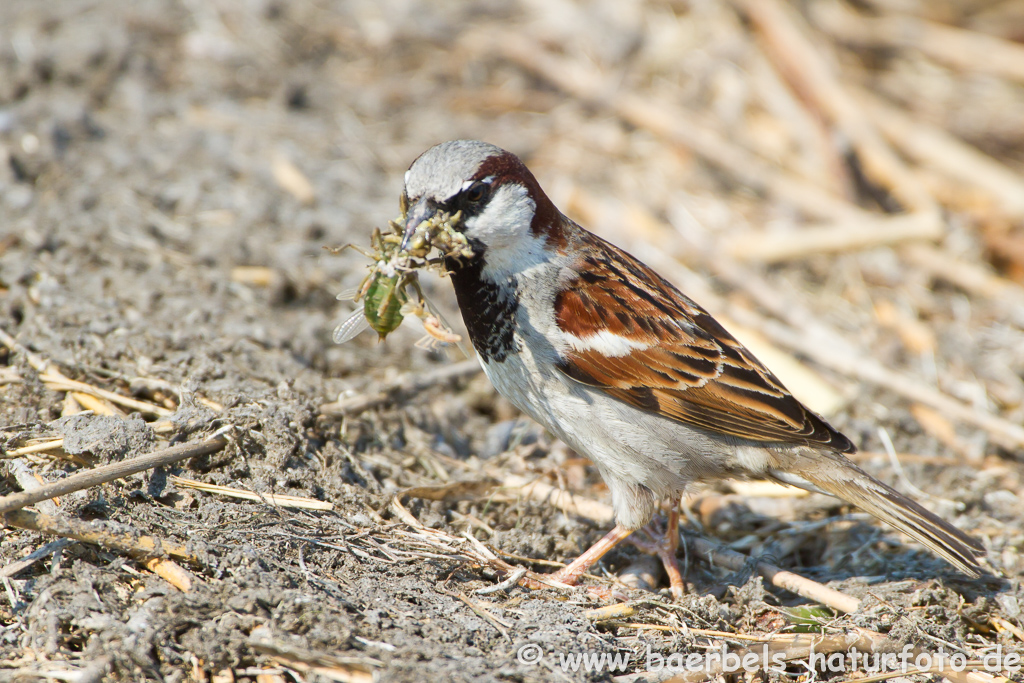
(117, 470)
(537, 490)
(620, 610)
(775, 247)
(256, 276)
(499, 625)
(146, 549)
(1003, 625)
(794, 583)
(971, 277)
(451, 492)
(282, 500)
(322, 664)
(159, 427)
(211, 404)
(171, 572)
(69, 406)
(30, 481)
(24, 563)
(939, 149)
(959, 48)
(802, 64)
(58, 382)
(292, 180)
(163, 426)
(97, 405)
(119, 537)
(55, 380)
(765, 489)
(668, 121)
(467, 548)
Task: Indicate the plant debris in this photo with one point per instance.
(396, 259)
(840, 183)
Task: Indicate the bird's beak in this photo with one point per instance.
(420, 211)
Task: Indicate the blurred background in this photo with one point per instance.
(844, 178)
(841, 182)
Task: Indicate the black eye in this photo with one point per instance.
(476, 193)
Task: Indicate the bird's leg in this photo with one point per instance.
(665, 547)
(571, 573)
(675, 577)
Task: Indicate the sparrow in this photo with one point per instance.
(624, 368)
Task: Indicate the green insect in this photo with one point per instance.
(383, 301)
(383, 292)
(383, 297)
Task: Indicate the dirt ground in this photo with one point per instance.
(171, 171)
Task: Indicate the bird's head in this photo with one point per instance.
(503, 207)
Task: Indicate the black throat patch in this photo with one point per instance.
(488, 308)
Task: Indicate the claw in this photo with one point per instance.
(665, 545)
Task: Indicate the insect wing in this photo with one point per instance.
(352, 326)
(435, 311)
(349, 294)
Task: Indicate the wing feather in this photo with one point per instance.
(680, 362)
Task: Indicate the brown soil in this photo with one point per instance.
(150, 151)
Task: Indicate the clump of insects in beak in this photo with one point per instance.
(391, 290)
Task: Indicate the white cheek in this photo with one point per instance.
(504, 228)
(506, 218)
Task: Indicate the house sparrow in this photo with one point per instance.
(623, 367)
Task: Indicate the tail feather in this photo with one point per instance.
(849, 482)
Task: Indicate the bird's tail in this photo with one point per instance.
(847, 481)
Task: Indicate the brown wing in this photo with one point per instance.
(671, 357)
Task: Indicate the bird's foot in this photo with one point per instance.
(665, 544)
(570, 574)
(662, 543)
